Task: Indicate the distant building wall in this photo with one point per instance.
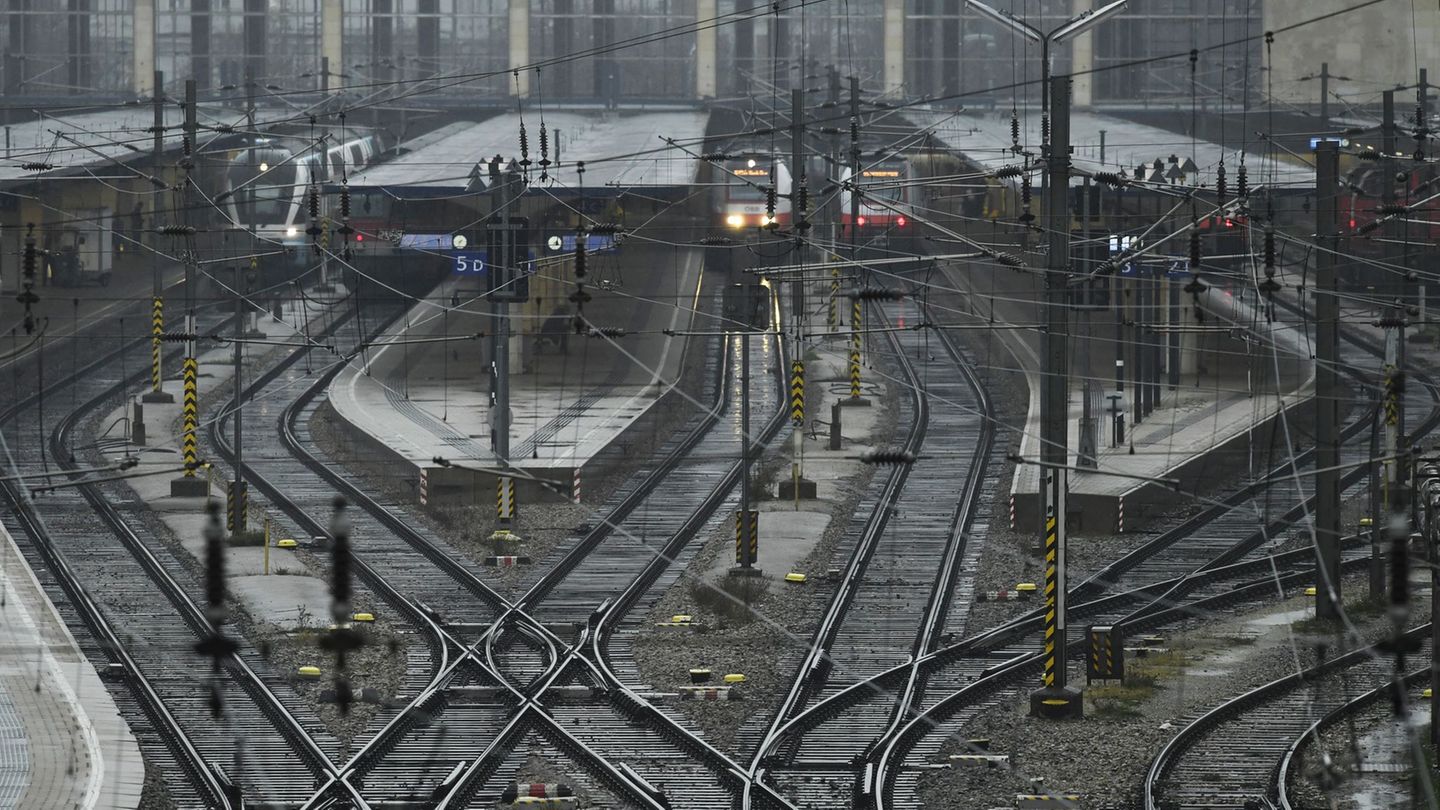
(1374, 47)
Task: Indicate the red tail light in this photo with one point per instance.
(1229, 223)
(1352, 223)
(861, 220)
(901, 221)
(359, 237)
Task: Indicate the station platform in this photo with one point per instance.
(1200, 427)
(63, 743)
(572, 396)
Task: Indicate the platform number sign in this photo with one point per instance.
(470, 264)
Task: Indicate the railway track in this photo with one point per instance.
(1294, 761)
(145, 618)
(897, 588)
(971, 676)
(514, 708)
(1232, 754)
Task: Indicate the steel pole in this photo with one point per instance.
(1328, 599)
(1055, 699)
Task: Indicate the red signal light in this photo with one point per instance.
(901, 221)
(359, 237)
(861, 221)
(1229, 223)
(1352, 223)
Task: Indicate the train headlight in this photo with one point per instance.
(734, 220)
(766, 219)
(292, 231)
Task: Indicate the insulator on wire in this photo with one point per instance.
(606, 228)
(854, 129)
(888, 457)
(605, 332)
(1008, 260)
(1393, 210)
(875, 294)
(524, 146)
(176, 230)
(345, 202)
(37, 166)
(715, 157)
(715, 241)
(1195, 286)
(1045, 129)
(770, 199)
(1025, 215)
(544, 146)
(1194, 249)
(580, 269)
(1220, 189)
(580, 298)
(1269, 248)
(1008, 171)
(1014, 130)
(1242, 183)
(1369, 154)
(1111, 179)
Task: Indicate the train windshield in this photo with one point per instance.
(264, 180)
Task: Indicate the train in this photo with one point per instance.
(885, 186)
(267, 180)
(743, 185)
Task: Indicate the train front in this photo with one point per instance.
(753, 191)
(880, 219)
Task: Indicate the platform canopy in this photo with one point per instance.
(620, 151)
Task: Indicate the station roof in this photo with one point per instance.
(620, 151)
(93, 141)
(984, 136)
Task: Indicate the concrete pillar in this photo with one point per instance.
(142, 66)
(331, 37)
(256, 44)
(1082, 57)
(894, 46)
(705, 48)
(520, 43)
(200, 64)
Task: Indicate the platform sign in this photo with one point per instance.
(473, 263)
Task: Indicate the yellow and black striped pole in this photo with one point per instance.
(797, 393)
(1052, 608)
(157, 394)
(833, 319)
(747, 537)
(857, 319)
(157, 331)
(190, 413)
(505, 498)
